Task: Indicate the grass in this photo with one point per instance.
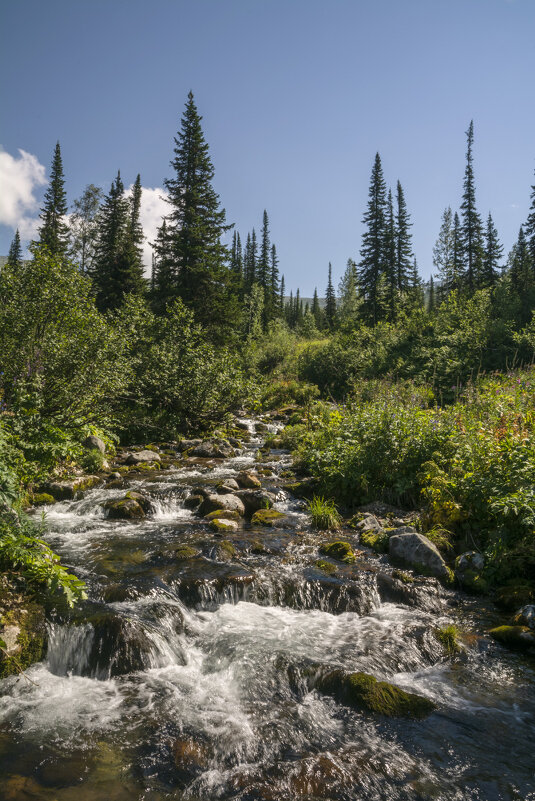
(325, 516)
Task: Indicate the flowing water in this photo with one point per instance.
(180, 679)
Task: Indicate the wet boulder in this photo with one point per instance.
(212, 503)
(145, 503)
(69, 488)
(228, 487)
(222, 525)
(213, 449)
(520, 638)
(364, 693)
(193, 501)
(418, 552)
(93, 443)
(341, 551)
(269, 517)
(42, 499)
(142, 457)
(247, 480)
(255, 499)
(223, 514)
(23, 630)
(188, 444)
(184, 552)
(118, 646)
(525, 616)
(124, 509)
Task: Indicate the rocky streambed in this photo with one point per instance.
(229, 651)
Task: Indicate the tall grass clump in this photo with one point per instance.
(324, 514)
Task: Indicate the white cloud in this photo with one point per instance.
(153, 209)
(20, 177)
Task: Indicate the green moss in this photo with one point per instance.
(377, 540)
(219, 524)
(42, 499)
(223, 514)
(227, 546)
(184, 552)
(448, 636)
(325, 567)
(266, 517)
(146, 467)
(517, 637)
(473, 582)
(362, 691)
(341, 551)
(31, 639)
(125, 509)
(402, 576)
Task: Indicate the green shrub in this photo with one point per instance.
(448, 636)
(92, 461)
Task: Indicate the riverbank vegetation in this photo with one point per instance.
(415, 394)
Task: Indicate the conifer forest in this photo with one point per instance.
(258, 543)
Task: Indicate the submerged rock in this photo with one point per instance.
(363, 692)
(184, 552)
(419, 552)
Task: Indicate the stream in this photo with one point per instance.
(177, 678)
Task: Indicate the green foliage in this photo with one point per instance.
(339, 550)
(92, 461)
(324, 513)
(285, 393)
(22, 549)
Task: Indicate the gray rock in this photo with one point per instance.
(470, 560)
(214, 502)
(417, 551)
(69, 488)
(93, 443)
(124, 509)
(255, 499)
(193, 501)
(213, 449)
(525, 616)
(142, 457)
(369, 523)
(230, 484)
(113, 477)
(402, 530)
(247, 480)
(186, 444)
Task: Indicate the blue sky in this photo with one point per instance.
(296, 98)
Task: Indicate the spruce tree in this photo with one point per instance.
(404, 252)
(275, 281)
(443, 255)
(264, 272)
(431, 302)
(492, 255)
(471, 228)
(281, 298)
(162, 290)
(349, 302)
(117, 269)
(457, 254)
(14, 257)
(196, 224)
(330, 302)
(522, 277)
(390, 259)
(136, 230)
(54, 232)
(530, 228)
(372, 260)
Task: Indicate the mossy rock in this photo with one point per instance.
(184, 552)
(400, 575)
(473, 582)
(363, 692)
(516, 637)
(221, 525)
(125, 509)
(258, 547)
(223, 514)
(377, 540)
(301, 489)
(513, 596)
(145, 467)
(42, 499)
(193, 501)
(325, 567)
(24, 632)
(227, 547)
(341, 551)
(267, 517)
(142, 500)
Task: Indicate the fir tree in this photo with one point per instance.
(522, 277)
(349, 302)
(14, 257)
(443, 255)
(404, 252)
(457, 254)
(281, 298)
(196, 224)
(135, 228)
(275, 281)
(264, 271)
(330, 302)
(54, 232)
(492, 255)
(162, 290)
(471, 228)
(431, 302)
(372, 261)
